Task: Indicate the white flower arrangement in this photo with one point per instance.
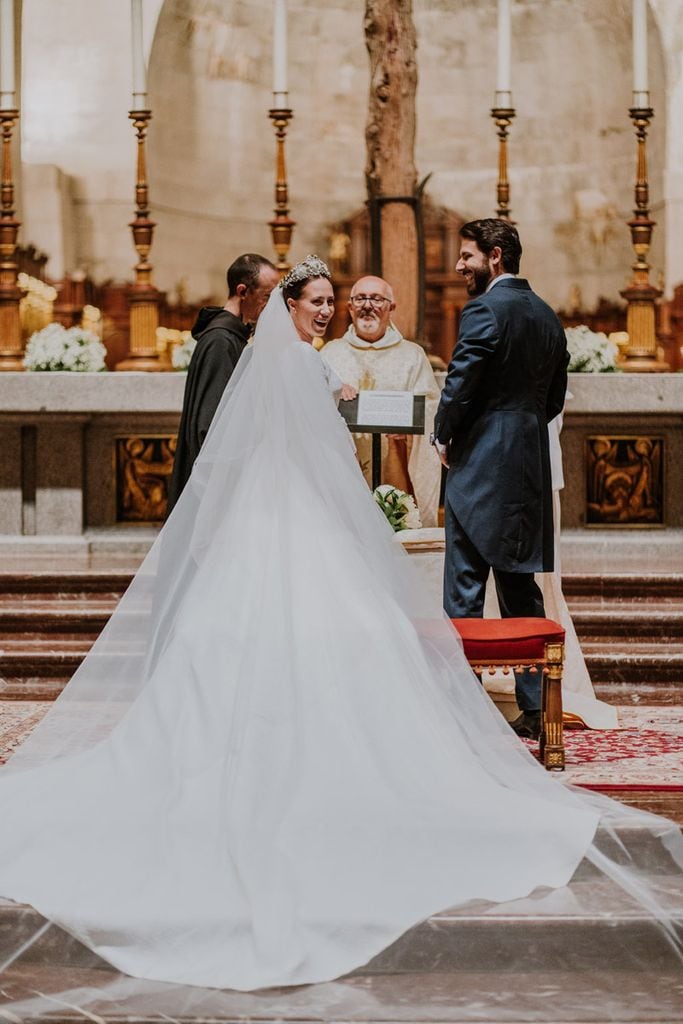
(61, 348)
(590, 351)
(399, 507)
(182, 353)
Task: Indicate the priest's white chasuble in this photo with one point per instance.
(394, 364)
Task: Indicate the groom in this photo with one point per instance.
(507, 379)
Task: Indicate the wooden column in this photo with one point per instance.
(390, 171)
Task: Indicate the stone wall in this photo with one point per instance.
(211, 145)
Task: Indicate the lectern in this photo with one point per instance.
(383, 412)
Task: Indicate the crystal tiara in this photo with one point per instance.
(309, 268)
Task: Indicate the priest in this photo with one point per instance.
(221, 333)
(374, 356)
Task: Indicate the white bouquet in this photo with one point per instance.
(399, 507)
(62, 348)
(182, 353)
(590, 351)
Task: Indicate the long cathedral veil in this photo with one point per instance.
(277, 569)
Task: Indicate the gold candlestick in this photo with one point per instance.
(502, 117)
(144, 298)
(11, 343)
(641, 352)
(282, 225)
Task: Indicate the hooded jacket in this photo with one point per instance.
(221, 339)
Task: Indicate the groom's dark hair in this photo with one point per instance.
(245, 270)
(489, 233)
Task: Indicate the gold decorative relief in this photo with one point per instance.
(624, 481)
(143, 471)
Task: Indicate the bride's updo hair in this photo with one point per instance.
(295, 281)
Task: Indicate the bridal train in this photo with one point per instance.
(276, 759)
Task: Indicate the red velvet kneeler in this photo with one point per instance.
(522, 643)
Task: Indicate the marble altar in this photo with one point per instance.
(58, 482)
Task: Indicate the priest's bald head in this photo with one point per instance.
(371, 304)
(251, 279)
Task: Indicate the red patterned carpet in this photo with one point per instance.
(645, 754)
(17, 719)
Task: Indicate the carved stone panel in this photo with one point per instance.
(624, 481)
(143, 467)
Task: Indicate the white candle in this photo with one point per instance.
(280, 54)
(640, 87)
(139, 70)
(7, 83)
(504, 83)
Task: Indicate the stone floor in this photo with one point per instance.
(517, 963)
(601, 996)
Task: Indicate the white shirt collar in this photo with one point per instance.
(501, 277)
(392, 337)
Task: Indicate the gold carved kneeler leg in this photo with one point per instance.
(552, 738)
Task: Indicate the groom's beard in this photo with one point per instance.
(479, 281)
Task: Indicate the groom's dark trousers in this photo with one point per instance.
(519, 596)
(507, 379)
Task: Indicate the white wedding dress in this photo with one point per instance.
(276, 758)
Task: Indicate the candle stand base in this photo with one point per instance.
(641, 354)
(11, 343)
(144, 320)
(11, 363)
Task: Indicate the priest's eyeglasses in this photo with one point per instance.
(376, 301)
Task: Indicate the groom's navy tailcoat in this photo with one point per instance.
(507, 379)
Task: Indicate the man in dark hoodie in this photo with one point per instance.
(221, 334)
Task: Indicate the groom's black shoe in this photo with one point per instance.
(527, 725)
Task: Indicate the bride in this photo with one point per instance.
(276, 759)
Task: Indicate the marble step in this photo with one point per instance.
(114, 576)
(70, 619)
(620, 586)
(635, 662)
(478, 935)
(603, 995)
(111, 580)
(28, 613)
(32, 687)
(628, 620)
(38, 668)
(630, 627)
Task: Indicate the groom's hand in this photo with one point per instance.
(442, 450)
